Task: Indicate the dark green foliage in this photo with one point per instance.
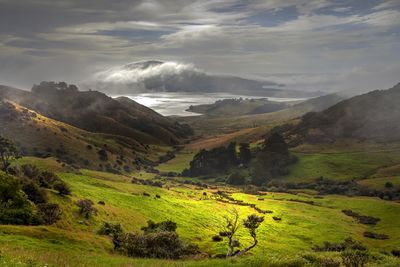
(389, 185)
(30, 171)
(49, 212)
(62, 188)
(166, 245)
(103, 155)
(361, 218)
(217, 238)
(110, 229)
(15, 207)
(47, 179)
(86, 208)
(348, 243)
(354, 258)
(165, 226)
(34, 193)
(236, 178)
(396, 253)
(375, 235)
(272, 160)
(244, 153)
(215, 161)
(159, 240)
(8, 152)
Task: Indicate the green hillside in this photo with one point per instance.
(73, 241)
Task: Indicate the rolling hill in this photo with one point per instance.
(374, 116)
(96, 112)
(40, 136)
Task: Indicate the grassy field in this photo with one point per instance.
(344, 163)
(73, 240)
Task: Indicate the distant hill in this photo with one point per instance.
(40, 136)
(158, 76)
(211, 125)
(96, 112)
(374, 116)
(235, 107)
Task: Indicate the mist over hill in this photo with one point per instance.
(374, 116)
(158, 76)
(96, 112)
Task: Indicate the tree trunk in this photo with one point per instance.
(243, 251)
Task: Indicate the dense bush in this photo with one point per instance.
(34, 193)
(62, 188)
(86, 208)
(217, 238)
(354, 258)
(15, 207)
(215, 161)
(110, 229)
(348, 243)
(159, 240)
(361, 218)
(165, 226)
(236, 178)
(166, 245)
(49, 212)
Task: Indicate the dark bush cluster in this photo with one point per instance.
(159, 240)
(375, 235)
(147, 182)
(361, 218)
(29, 203)
(199, 184)
(31, 174)
(217, 238)
(110, 229)
(354, 258)
(216, 161)
(86, 208)
(348, 243)
(244, 166)
(326, 186)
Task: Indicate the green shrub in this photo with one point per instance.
(15, 207)
(62, 188)
(86, 208)
(110, 229)
(35, 193)
(49, 212)
(166, 245)
(354, 258)
(217, 238)
(165, 226)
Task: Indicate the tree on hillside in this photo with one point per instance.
(232, 225)
(272, 160)
(8, 152)
(244, 153)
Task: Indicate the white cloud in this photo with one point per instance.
(136, 72)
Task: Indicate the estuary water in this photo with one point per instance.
(175, 104)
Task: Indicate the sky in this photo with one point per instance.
(306, 44)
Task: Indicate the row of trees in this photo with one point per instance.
(243, 165)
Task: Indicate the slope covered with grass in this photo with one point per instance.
(73, 240)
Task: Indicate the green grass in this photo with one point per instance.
(179, 163)
(344, 165)
(198, 219)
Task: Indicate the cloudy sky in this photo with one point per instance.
(307, 44)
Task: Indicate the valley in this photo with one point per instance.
(142, 178)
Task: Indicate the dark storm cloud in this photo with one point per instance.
(311, 44)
